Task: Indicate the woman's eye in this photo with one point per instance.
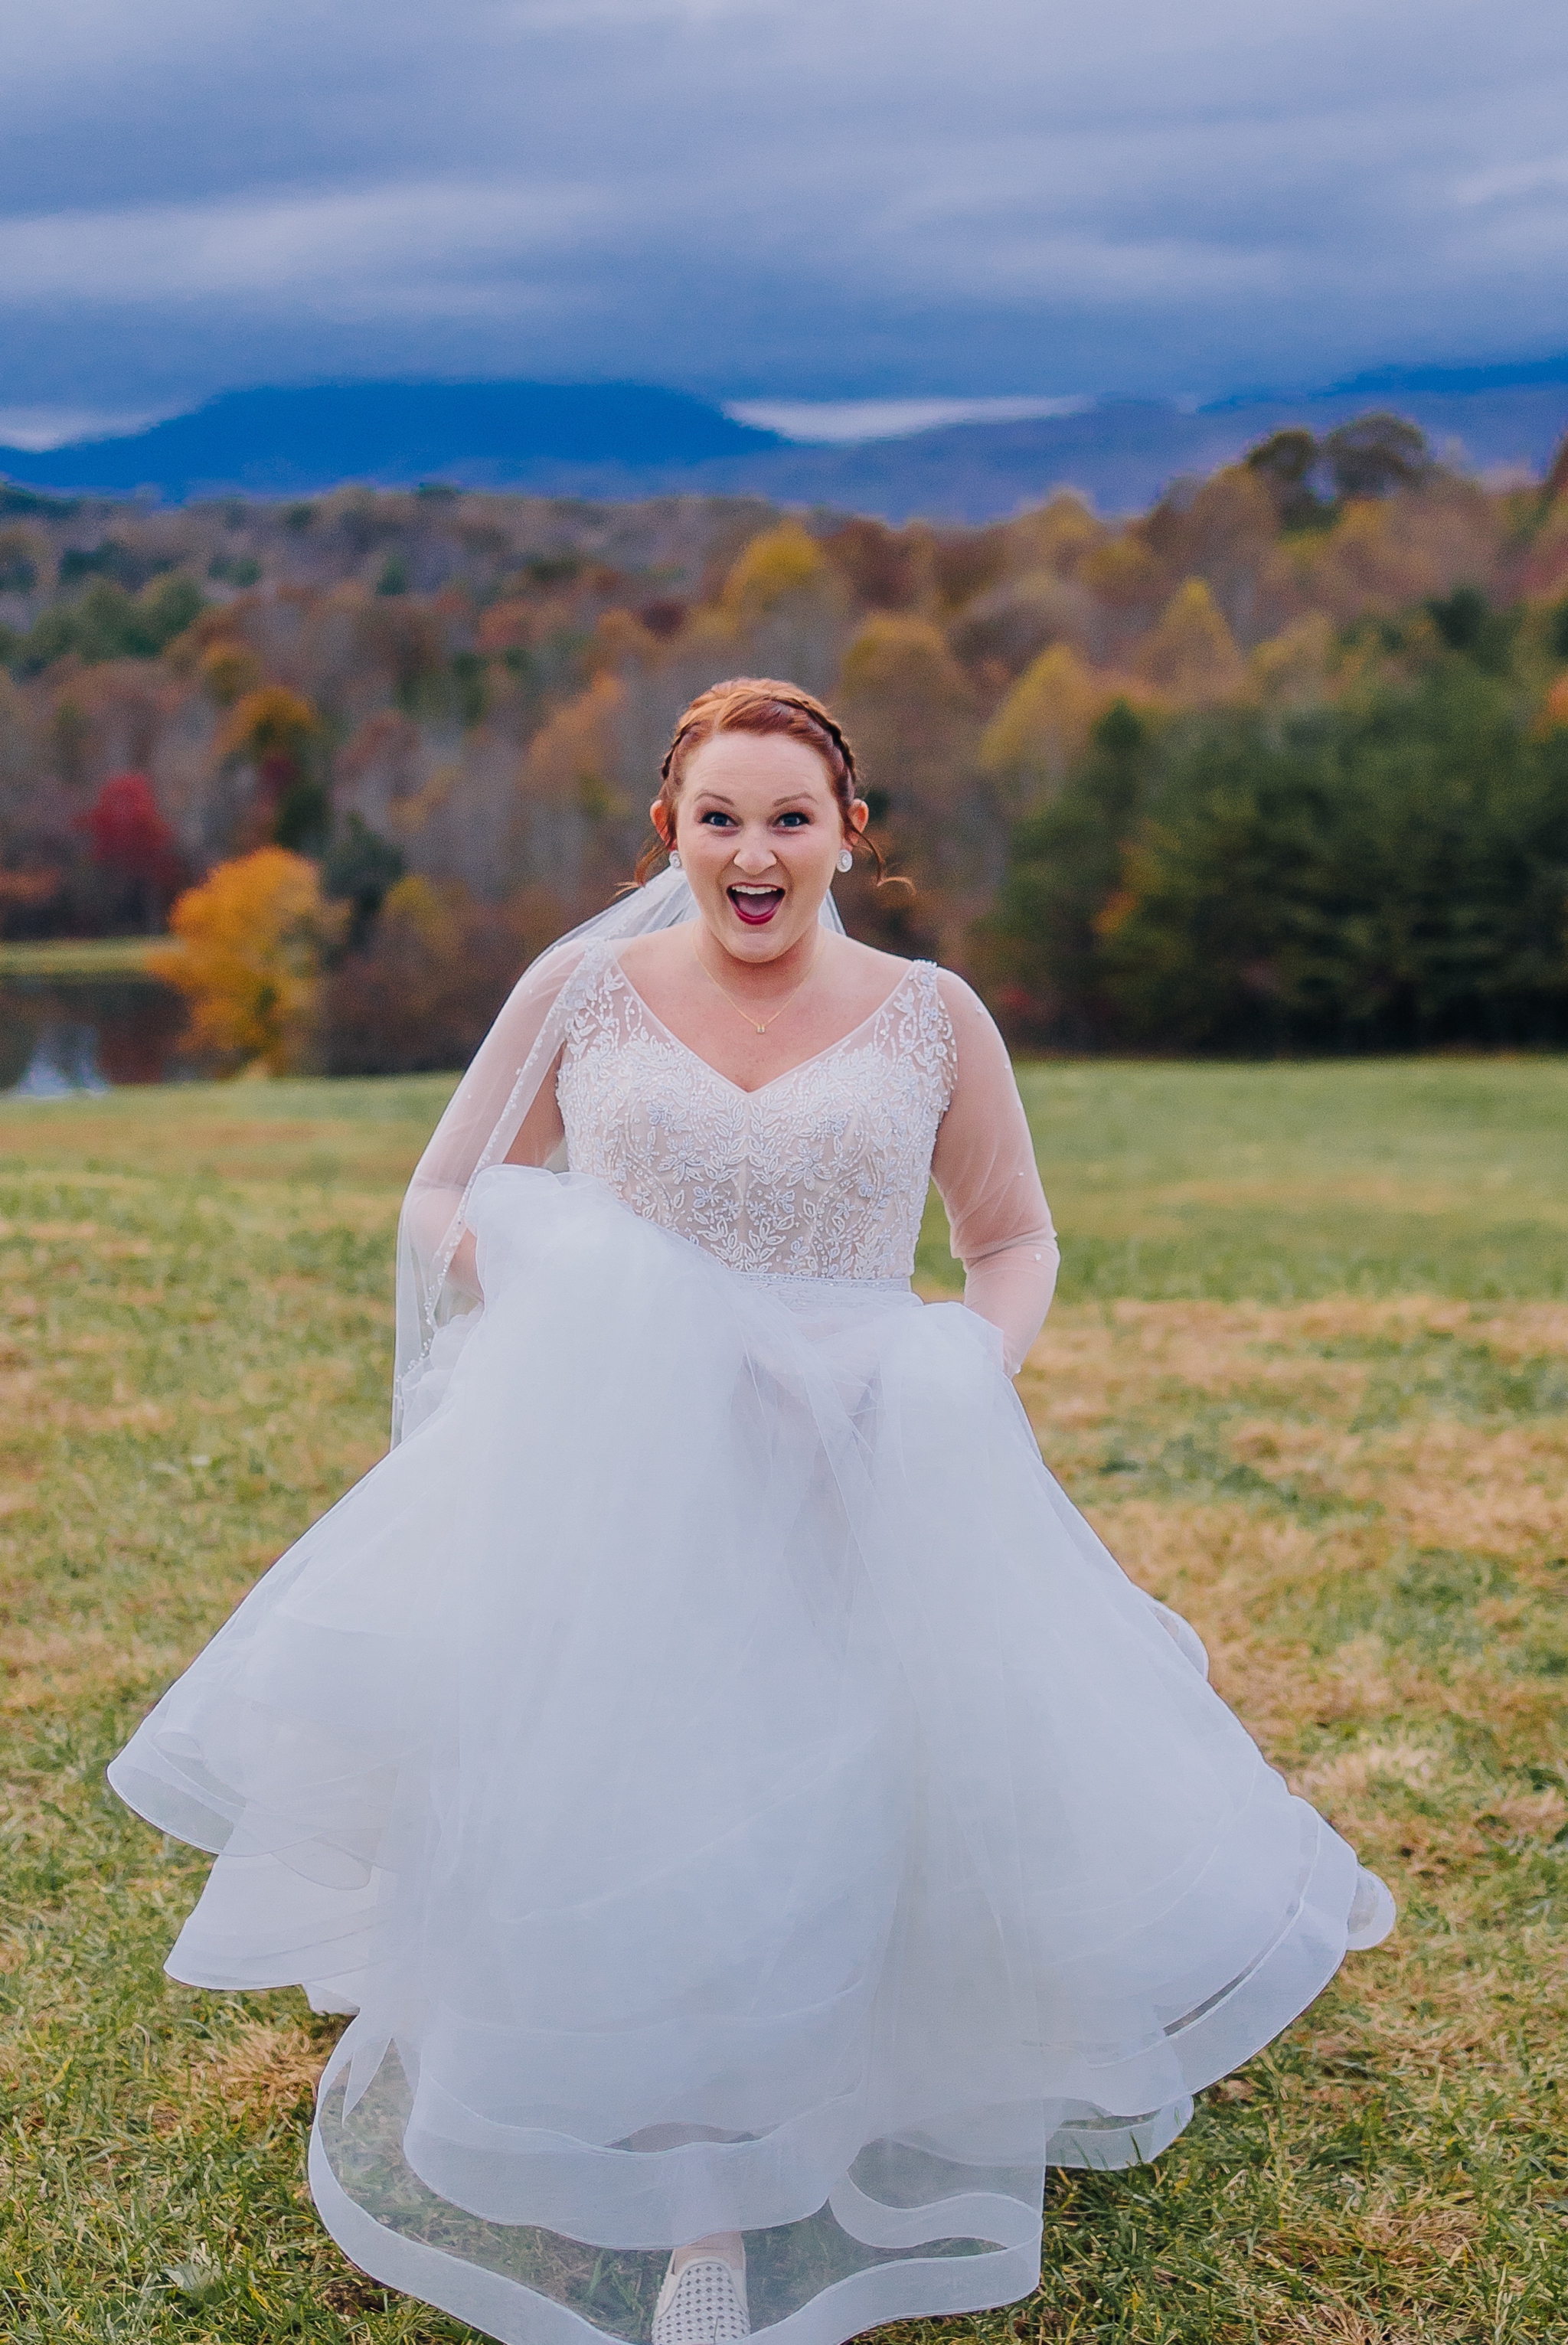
(794, 820)
(715, 816)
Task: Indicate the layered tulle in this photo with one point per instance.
(734, 1790)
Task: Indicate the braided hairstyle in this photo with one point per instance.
(760, 704)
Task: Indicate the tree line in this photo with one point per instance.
(1280, 763)
(1385, 872)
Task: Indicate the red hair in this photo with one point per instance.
(759, 704)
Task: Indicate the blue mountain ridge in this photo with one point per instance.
(281, 441)
(614, 441)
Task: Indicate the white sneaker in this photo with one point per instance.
(704, 2303)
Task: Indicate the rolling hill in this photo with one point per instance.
(615, 440)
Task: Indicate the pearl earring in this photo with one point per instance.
(846, 860)
(674, 861)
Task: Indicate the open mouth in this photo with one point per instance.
(755, 906)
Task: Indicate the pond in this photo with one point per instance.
(61, 1035)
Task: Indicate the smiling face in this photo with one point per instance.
(760, 832)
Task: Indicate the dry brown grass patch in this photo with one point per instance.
(1333, 2324)
(262, 2070)
(1397, 1760)
(42, 1668)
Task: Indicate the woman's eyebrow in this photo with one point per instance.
(797, 800)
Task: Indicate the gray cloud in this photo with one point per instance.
(819, 198)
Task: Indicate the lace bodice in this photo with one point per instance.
(821, 1173)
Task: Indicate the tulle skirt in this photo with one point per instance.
(733, 1790)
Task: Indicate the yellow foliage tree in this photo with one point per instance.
(893, 653)
(251, 938)
(1057, 536)
(417, 913)
(1125, 574)
(907, 707)
(1290, 670)
(781, 612)
(270, 723)
(1388, 553)
(576, 822)
(1043, 723)
(228, 671)
(1191, 655)
(780, 564)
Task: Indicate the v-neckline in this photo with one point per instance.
(739, 1090)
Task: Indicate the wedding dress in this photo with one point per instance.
(728, 1783)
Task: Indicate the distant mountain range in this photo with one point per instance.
(611, 440)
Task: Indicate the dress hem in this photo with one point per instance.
(916, 2288)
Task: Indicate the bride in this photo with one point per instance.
(754, 1824)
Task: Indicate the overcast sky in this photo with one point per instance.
(786, 199)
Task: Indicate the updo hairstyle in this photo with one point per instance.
(761, 705)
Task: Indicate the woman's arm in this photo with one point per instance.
(539, 1135)
(478, 1114)
(983, 1165)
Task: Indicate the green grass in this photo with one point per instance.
(1438, 1176)
(78, 957)
(1309, 1376)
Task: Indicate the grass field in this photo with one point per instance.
(75, 956)
(1309, 1377)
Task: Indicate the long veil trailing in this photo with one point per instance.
(483, 1119)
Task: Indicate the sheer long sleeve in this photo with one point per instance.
(505, 1110)
(985, 1169)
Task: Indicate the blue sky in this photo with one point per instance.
(773, 199)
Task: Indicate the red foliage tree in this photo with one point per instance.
(135, 848)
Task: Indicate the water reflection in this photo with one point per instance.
(63, 1036)
(64, 1060)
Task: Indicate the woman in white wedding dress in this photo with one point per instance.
(754, 1823)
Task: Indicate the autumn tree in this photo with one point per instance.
(907, 708)
(578, 821)
(437, 966)
(1002, 630)
(1191, 656)
(228, 669)
(887, 569)
(1059, 536)
(134, 849)
(1292, 669)
(251, 940)
(1041, 726)
(1225, 531)
(784, 605)
(278, 733)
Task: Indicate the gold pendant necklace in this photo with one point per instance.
(761, 1025)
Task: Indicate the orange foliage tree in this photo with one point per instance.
(249, 962)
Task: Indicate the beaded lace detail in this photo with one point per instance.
(822, 1173)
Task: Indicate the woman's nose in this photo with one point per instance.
(753, 855)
